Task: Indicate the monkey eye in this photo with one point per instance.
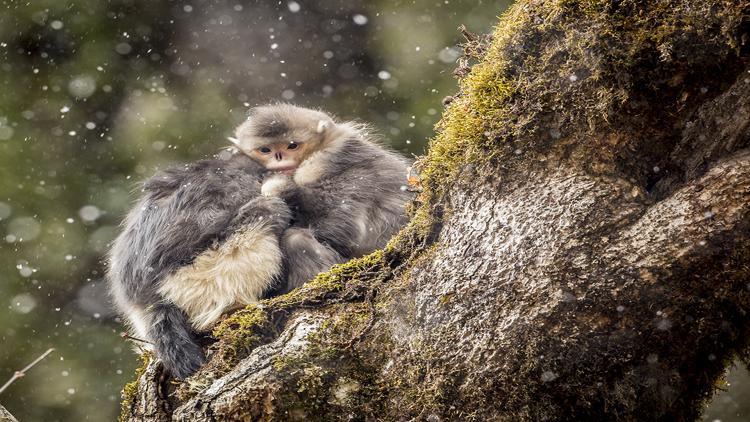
(292, 145)
(264, 150)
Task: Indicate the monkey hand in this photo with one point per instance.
(271, 210)
(279, 213)
(276, 184)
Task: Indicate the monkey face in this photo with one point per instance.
(282, 157)
(282, 136)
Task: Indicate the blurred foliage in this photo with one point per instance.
(98, 95)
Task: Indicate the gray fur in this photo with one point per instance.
(305, 257)
(361, 183)
(183, 211)
(175, 342)
(270, 128)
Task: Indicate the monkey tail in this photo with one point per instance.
(175, 341)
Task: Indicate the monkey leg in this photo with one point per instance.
(175, 341)
(305, 257)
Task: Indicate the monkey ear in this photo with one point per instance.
(322, 126)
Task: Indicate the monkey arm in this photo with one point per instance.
(181, 238)
(270, 210)
(336, 210)
(298, 198)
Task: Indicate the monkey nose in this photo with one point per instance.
(278, 156)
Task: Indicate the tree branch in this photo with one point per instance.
(22, 372)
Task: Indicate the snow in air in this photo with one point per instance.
(384, 75)
(360, 19)
(89, 213)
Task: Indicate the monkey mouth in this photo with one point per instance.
(285, 170)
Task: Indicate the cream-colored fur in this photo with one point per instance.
(274, 185)
(232, 276)
(137, 318)
(314, 166)
(311, 169)
(139, 323)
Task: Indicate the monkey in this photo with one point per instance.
(199, 242)
(347, 194)
(215, 235)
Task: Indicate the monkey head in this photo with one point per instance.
(282, 136)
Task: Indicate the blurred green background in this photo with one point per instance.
(98, 95)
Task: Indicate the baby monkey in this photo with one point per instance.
(347, 194)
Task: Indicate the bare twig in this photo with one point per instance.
(128, 336)
(22, 372)
(470, 37)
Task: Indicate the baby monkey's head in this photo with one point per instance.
(282, 136)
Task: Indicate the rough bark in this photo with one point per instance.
(580, 249)
(5, 416)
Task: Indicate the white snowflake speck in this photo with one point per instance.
(360, 19)
(89, 213)
(82, 86)
(23, 303)
(384, 75)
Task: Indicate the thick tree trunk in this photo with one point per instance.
(580, 250)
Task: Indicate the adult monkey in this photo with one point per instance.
(199, 242)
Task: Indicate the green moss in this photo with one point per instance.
(244, 330)
(333, 281)
(466, 133)
(329, 378)
(336, 277)
(248, 319)
(238, 334)
(310, 383)
(345, 326)
(281, 362)
(193, 385)
(130, 390)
